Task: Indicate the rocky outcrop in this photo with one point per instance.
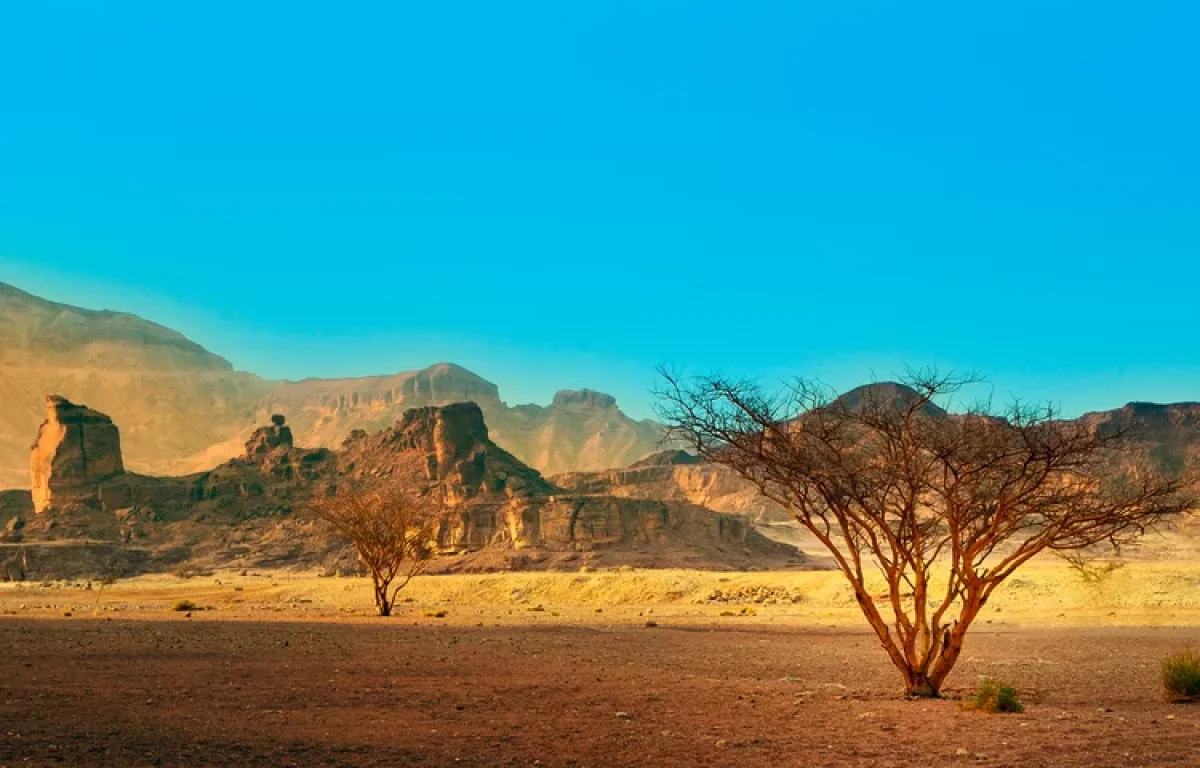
(77, 449)
(580, 429)
(184, 409)
(496, 502)
(172, 398)
(1165, 438)
(257, 509)
(447, 446)
(677, 476)
(269, 438)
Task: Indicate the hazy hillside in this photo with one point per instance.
(171, 397)
(581, 430)
(182, 408)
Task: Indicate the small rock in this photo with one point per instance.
(624, 715)
(962, 752)
(720, 744)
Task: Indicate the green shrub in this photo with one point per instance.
(1181, 675)
(183, 605)
(995, 697)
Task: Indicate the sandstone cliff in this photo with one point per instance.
(255, 510)
(675, 475)
(76, 450)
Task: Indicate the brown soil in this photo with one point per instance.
(204, 691)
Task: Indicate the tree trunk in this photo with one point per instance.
(919, 686)
(381, 600)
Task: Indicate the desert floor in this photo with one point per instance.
(277, 669)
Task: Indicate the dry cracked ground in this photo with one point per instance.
(354, 692)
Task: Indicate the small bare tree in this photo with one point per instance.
(943, 508)
(393, 531)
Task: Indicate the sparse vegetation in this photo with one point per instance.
(941, 508)
(1091, 570)
(1181, 675)
(995, 697)
(183, 605)
(393, 530)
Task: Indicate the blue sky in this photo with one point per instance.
(569, 194)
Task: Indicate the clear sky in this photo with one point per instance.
(567, 194)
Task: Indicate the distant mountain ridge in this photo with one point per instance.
(48, 333)
(183, 408)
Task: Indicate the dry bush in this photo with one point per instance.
(183, 605)
(995, 697)
(943, 507)
(1091, 570)
(393, 530)
(1181, 675)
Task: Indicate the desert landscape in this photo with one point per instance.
(663, 613)
(623, 667)
(599, 385)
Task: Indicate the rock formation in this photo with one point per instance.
(268, 438)
(76, 450)
(184, 409)
(447, 446)
(256, 510)
(677, 476)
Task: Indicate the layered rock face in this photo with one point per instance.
(677, 476)
(447, 446)
(1163, 437)
(76, 450)
(256, 510)
(499, 504)
(579, 430)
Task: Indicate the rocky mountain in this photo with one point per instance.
(173, 398)
(1166, 437)
(578, 430)
(86, 513)
(184, 409)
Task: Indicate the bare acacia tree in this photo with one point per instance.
(943, 508)
(393, 531)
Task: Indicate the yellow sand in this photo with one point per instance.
(1044, 593)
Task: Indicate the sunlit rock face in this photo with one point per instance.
(77, 449)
